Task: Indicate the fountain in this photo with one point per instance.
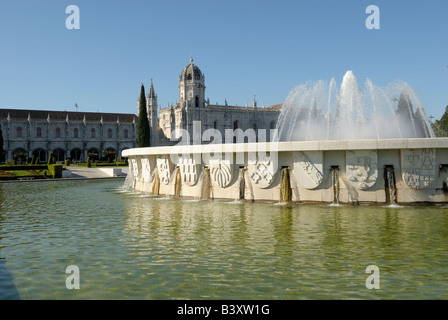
(314, 112)
(177, 184)
(285, 189)
(325, 132)
(335, 183)
(242, 185)
(390, 189)
(206, 185)
(156, 183)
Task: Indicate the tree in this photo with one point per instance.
(143, 138)
(442, 125)
(1, 144)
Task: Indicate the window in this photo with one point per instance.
(109, 133)
(38, 132)
(58, 132)
(215, 124)
(126, 133)
(76, 133)
(196, 102)
(92, 133)
(19, 132)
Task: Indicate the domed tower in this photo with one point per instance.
(192, 87)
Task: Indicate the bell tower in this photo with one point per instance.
(192, 87)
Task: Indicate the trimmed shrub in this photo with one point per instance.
(55, 170)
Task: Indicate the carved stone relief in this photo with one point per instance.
(189, 170)
(146, 170)
(261, 171)
(418, 167)
(361, 168)
(134, 167)
(163, 168)
(221, 172)
(308, 168)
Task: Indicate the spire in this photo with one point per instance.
(191, 59)
(152, 93)
(255, 102)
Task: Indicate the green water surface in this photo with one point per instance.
(132, 246)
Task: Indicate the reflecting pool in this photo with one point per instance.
(134, 246)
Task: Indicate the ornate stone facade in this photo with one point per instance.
(169, 126)
(67, 134)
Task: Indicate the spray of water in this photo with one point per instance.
(320, 111)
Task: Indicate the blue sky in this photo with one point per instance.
(244, 47)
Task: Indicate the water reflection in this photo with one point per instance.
(296, 249)
(132, 245)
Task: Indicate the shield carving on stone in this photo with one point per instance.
(146, 170)
(361, 168)
(133, 163)
(189, 170)
(221, 172)
(308, 168)
(163, 168)
(418, 167)
(261, 171)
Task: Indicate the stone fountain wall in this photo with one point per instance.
(352, 172)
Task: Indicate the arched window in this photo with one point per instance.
(58, 132)
(19, 132)
(76, 154)
(109, 133)
(215, 124)
(196, 102)
(93, 153)
(76, 133)
(40, 154)
(59, 154)
(126, 133)
(38, 132)
(92, 133)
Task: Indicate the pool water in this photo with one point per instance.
(128, 245)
